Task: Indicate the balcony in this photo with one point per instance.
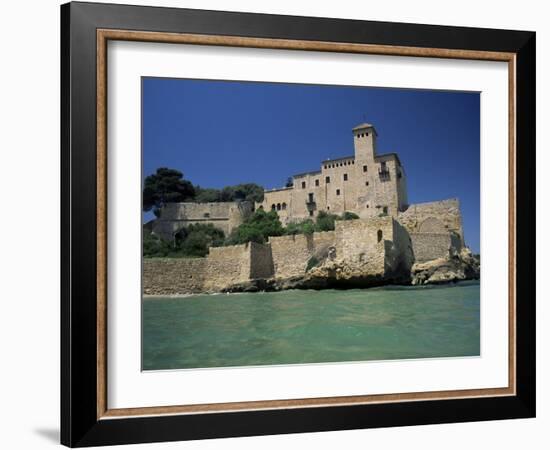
(311, 205)
(384, 174)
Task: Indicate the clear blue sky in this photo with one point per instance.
(220, 133)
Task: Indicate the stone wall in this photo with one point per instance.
(440, 217)
(260, 261)
(381, 247)
(227, 266)
(165, 276)
(291, 254)
(223, 215)
(428, 246)
(400, 257)
(364, 241)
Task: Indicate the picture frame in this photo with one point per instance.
(86, 418)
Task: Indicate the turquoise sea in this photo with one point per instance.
(296, 327)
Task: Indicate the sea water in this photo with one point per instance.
(307, 326)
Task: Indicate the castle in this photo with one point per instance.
(365, 183)
(383, 245)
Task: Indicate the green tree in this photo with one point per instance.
(165, 186)
(153, 246)
(207, 195)
(347, 215)
(257, 228)
(195, 239)
(304, 227)
(325, 221)
(248, 191)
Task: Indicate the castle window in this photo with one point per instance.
(310, 198)
(379, 235)
(367, 205)
(337, 191)
(327, 180)
(364, 168)
(303, 184)
(273, 207)
(366, 183)
(366, 134)
(385, 210)
(328, 208)
(283, 206)
(206, 215)
(316, 182)
(311, 213)
(278, 206)
(261, 207)
(345, 177)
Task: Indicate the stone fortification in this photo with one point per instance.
(441, 217)
(223, 215)
(222, 268)
(362, 252)
(366, 183)
(170, 276)
(291, 254)
(428, 246)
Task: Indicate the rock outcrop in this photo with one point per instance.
(334, 273)
(459, 266)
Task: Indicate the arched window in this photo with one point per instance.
(284, 206)
(379, 235)
(278, 206)
(273, 207)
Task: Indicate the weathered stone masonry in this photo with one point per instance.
(380, 246)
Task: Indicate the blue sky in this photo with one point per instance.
(220, 133)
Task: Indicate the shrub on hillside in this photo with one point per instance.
(257, 228)
(304, 227)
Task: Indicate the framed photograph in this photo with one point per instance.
(276, 224)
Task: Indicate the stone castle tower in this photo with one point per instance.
(366, 183)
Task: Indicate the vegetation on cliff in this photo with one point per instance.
(257, 228)
(169, 186)
(194, 240)
(323, 222)
(191, 241)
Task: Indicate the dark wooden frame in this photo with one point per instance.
(85, 418)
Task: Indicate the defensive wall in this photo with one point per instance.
(379, 244)
(223, 266)
(439, 217)
(223, 215)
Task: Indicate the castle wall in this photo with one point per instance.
(357, 241)
(166, 276)
(226, 266)
(276, 197)
(400, 257)
(223, 215)
(420, 217)
(381, 246)
(291, 254)
(428, 246)
(261, 261)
